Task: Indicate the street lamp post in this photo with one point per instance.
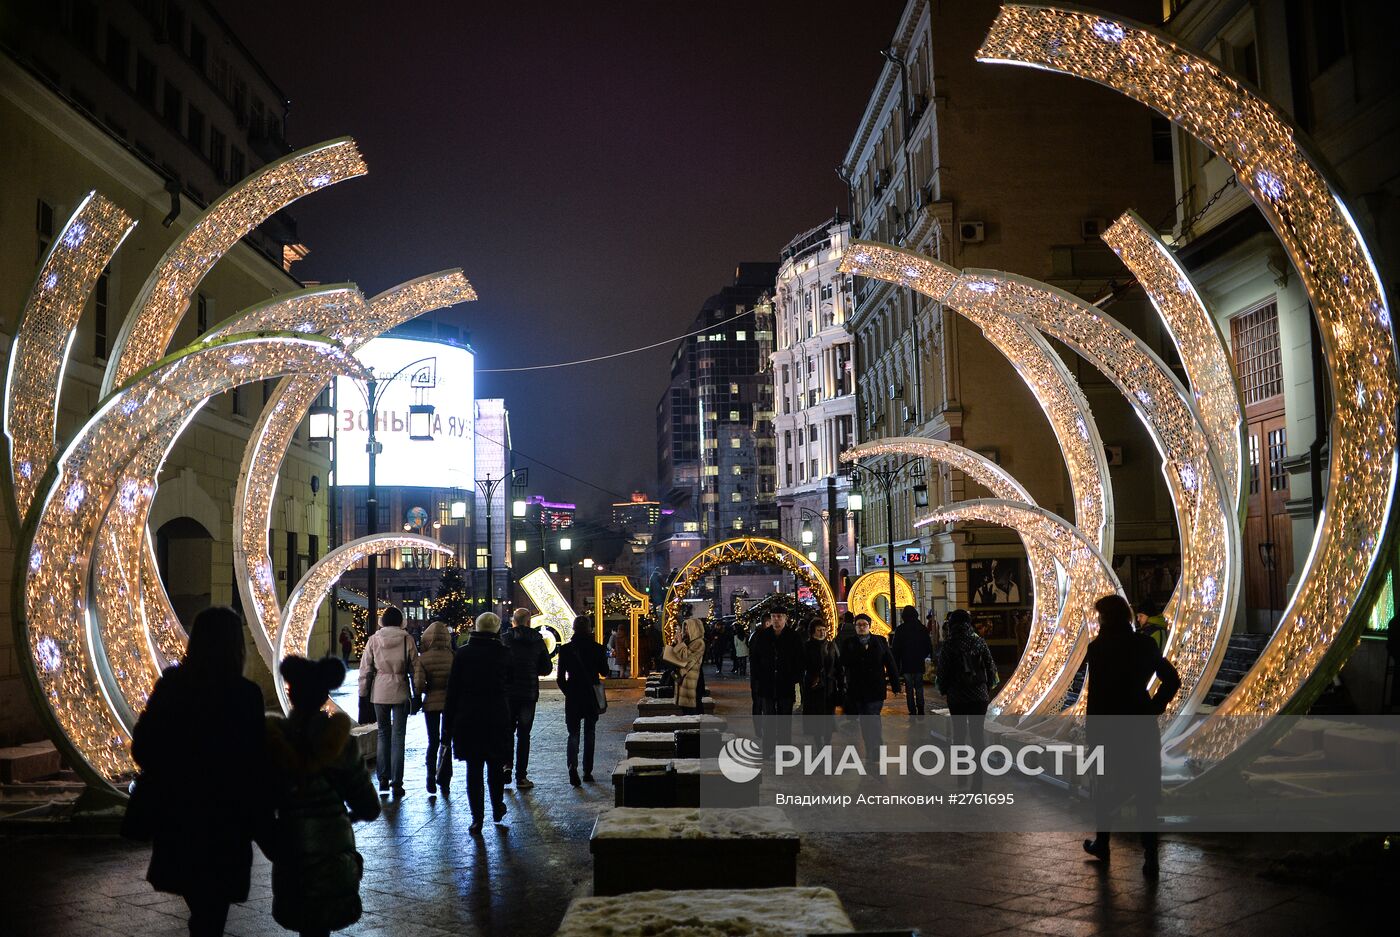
(488, 487)
(883, 479)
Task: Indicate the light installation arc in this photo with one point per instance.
(1200, 346)
(637, 608)
(751, 550)
(988, 474)
(1204, 605)
(1090, 578)
(1274, 164)
(165, 296)
(128, 595)
(860, 597)
(304, 601)
(66, 664)
(277, 424)
(46, 327)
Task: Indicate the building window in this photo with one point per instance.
(741, 336)
(43, 227)
(292, 573)
(1253, 464)
(313, 547)
(218, 148)
(734, 416)
(118, 55)
(199, 50)
(812, 433)
(194, 129)
(236, 401)
(1161, 140)
(813, 468)
(734, 442)
(173, 105)
(1254, 338)
(738, 470)
(100, 296)
(1278, 451)
(736, 496)
(201, 314)
(145, 81)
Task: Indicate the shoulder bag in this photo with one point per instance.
(415, 703)
(600, 696)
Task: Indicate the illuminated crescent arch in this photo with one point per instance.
(165, 296)
(46, 328)
(1272, 162)
(127, 594)
(1090, 577)
(1203, 608)
(304, 601)
(1044, 575)
(637, 608)
(751, 550)
(53, 560)
(860, 598)
(272, 436)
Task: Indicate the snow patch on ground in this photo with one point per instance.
(759, 912)
(672, 723)
(693, 823)
(682, 765)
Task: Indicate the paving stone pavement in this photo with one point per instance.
(425, 876)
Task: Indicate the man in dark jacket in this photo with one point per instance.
(529, 662)
(911, 646)
(775, 670)
(583, 665)
(478, 711)
(867, 664)
(966, 676)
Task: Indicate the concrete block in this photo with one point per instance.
(366, 737)
(28, 762)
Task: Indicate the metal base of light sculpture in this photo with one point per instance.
(757, 551)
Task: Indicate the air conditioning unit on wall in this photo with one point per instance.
(971, 232)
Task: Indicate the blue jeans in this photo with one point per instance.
(393, 727)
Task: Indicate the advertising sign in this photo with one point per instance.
(430, 374)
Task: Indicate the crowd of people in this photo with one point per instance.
(217, 775)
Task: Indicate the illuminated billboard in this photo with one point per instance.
(429, 374)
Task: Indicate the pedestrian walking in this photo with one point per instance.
(478, 711)
(867, 667)
(775, 670)
(911, 647)
(622, 650)
(582, 667)
(385, 668)
(346, 645)
(1122, 717)
(847, 629)
(430, 674)
(200, 744)
(741, 652)
(966, 676)
(821, 684)
(529, 661)
(316, 771)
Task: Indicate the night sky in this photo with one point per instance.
(597, 169)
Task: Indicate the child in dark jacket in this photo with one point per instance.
(318, 771)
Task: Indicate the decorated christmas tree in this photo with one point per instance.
(453, 603)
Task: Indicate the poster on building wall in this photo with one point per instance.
(1000, 581)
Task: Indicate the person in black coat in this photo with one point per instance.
(821, 683)
(529, 661)
(911, 647)
(200, 744)
(582, 665)
(478, 710)
(967, 674)
(867, 666)
(775, 670)
(1122, 717)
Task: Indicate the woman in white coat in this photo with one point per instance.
(385, 667)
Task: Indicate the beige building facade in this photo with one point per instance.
(814, 395)
(57, 149)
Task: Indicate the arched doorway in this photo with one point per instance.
(185, 556)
